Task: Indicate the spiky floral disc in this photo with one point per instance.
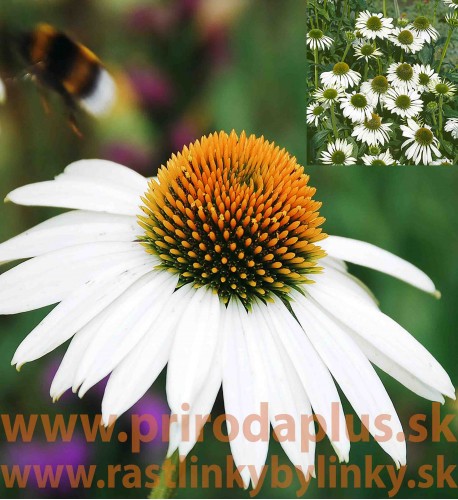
(235, 214)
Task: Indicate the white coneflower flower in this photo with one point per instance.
(402, 76)
(317, 40)
(451, 125)
(407, 39)
(315, 112)
(376, 88)
(452, 20)
(329, 94)
(442, 87)
(374, 25)
(372, 131)
(366, 50)
(380, 159)
(421, 143)
(453, 4)
(342, 75)
(403, 103)
(357, 106)
(442, 161)
(425, 74)
(212, 276)
(422, 28)
(338, 153)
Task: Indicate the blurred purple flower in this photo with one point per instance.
(133, 156)
(183, 133)
(189, 7)
(152, 87)
(156, 19)
(75, 453)
(154, 405)
(218, 47)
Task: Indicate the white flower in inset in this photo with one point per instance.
(402, 76)
(208, 270)
(376, 88)
(315, 112)
(453, 4)
(425, 74)
(421, 143)
(329, 94)
(403, 103)
(407, 39)
(338, 153)
(423, 29)
(374, 25)
(442, 87)
(357, 106)
(317, 40)
(366, 50)
(372, 131)
(451, 125)
(380, 160)
(341, 75)
(442, 161)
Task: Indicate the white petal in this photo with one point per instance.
(68, 229)
(106, 172)
(398, 372)
(287, 398)
(50, 278)
(365, 254)
(77, 193)
(388, 338)
(135, 374)
(193, 349)
(205, 400)
(65, 375)
(78, 309)
(353, 372)
(330, 277)
(129, 319)
(314, 376)
(258, 448)
(241, 397)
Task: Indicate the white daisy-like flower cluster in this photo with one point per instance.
(381, 87)
(219, 270)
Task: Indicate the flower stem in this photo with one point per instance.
(315, 54)
(168, 478)
(435, 10)
(384, 8)
(366, 67)
(316, 12)
(444, 50)
(333, 120)
(347, 48)
(439, 129)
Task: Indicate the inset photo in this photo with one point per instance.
(382, 82)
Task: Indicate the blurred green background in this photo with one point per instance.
(185, 68)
